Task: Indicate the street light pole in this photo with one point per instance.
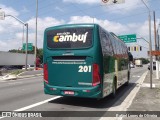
(26, 24)
(26, 45)
(23, 36)
(150, 43)
(35, 50)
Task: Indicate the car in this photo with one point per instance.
(153, 65)
(29, 67)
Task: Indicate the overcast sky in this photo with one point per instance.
(130, 17)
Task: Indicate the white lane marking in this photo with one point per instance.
(34, 105)
(136, 76)
(128, 100)
(30, 78)
(148, 85)
(37, 104)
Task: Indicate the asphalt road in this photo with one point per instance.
(24, 92)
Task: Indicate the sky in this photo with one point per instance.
(130, 17)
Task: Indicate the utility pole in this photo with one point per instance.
(150, 42)
(35, 49)
(158, 34)
(158, 37)
(155, 32)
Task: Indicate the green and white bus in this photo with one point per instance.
(83, 60)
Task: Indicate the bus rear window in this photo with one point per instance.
(70, 38)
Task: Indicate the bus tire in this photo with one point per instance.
(114, 88)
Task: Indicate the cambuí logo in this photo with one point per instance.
(62, 37)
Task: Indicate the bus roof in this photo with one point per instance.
(72, 26)
(115, 36)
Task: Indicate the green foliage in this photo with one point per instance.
(16, 51)
(40, 54)
(144, 60)
(16, 72)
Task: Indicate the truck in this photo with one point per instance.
(138, 63)
(15, 59)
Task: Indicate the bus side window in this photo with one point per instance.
(113, 44)
(105, 43)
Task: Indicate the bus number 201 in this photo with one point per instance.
(84, 68)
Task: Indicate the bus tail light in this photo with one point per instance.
(45, 71)
(96, 76)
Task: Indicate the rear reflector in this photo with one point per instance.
(45, 70)
(96, 75)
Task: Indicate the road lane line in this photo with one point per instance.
(30, 78)
(37, 104)
(128, 100)
(136, 76)
(34, 105)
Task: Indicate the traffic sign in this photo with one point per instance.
(128, 38)
(2, 15)
(111, 2)
(154, 53)
(30, 46)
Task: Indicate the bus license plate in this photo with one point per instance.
(69, 92)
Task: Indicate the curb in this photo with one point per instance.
(29, 76)
(128, 100)
(8, 77)
(18, 77)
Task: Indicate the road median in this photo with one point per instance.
(23, 74)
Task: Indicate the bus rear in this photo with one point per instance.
(71, 61)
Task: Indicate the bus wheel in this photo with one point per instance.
(114, 89)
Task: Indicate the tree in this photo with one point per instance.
(144, 60)
(40, 54)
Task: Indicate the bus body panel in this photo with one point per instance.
(90, 92)
(70, 71)
(109, 73)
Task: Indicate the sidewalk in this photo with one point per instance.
(147, 99)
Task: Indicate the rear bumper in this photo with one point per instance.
(87, 92)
